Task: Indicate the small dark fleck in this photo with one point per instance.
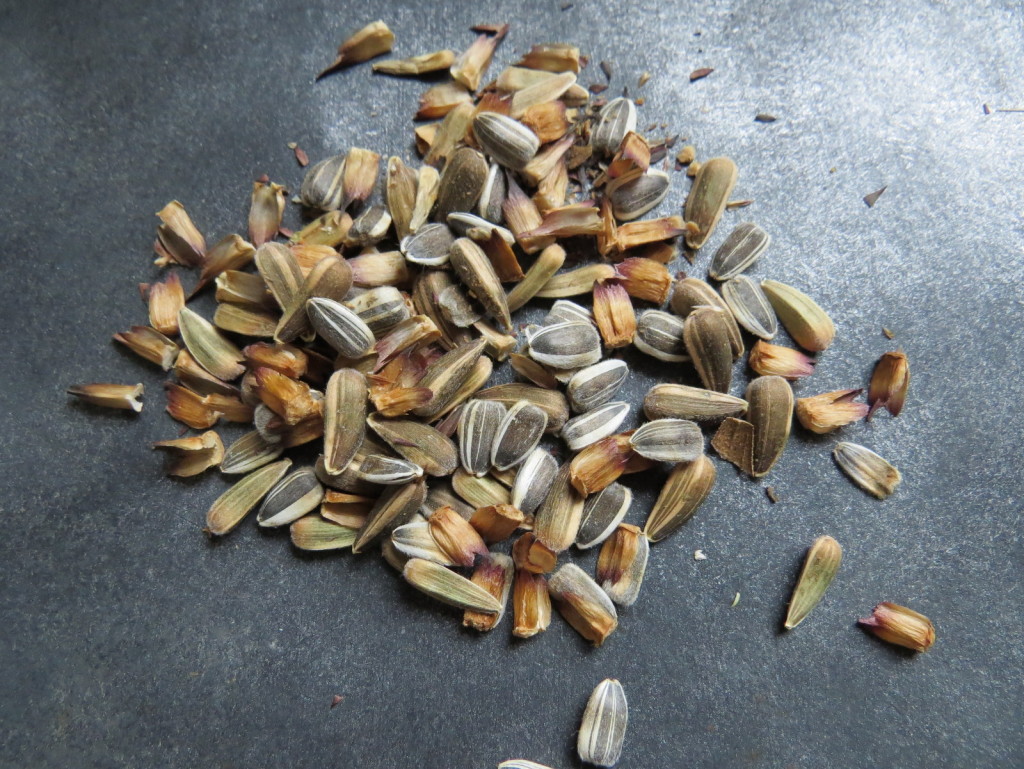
(651, 127)
(625, 92)
(698, 33)
(697, 74)
(490, 29)
(985, 109)
(301, 156)
(597, 87)
(764, 117)
(337, 698)
(772, 496)
(873, 197)
(888, 333)
(567, 6)
(606, 68)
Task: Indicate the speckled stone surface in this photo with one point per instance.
(129, 640)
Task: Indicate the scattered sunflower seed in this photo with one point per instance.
(868, 470)
(603, 728)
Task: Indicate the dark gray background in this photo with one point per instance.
(129, 640)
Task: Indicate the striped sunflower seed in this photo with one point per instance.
(280, 272)
(315, 533)
(518, 434)
(591, 426)
(448, 587)
(750, 306)
(369, 228)
(234, 504)
(477, 274)
(638, 195)
(493, 573)
(417, 442)
(739, 251)
(552, 401)
(706, 332)
(480, 492)
(602, 514)
(461, 183)
(478, 424)
(493, 195)
(583, 604)
(294, 495)
(808, 324)
(430, 246)
(867, 469)
(604, 724)
(381, 308)
(533, 481)
(344, 418)
(771, 414)
(683, 402)
(520, 763)
(707, 199)
(446, 375)
(596, 384)
(617, 118)
(685, 490)
(394, 507)
(322, 188)
(506, 140)
(557, 520)
(209, 347)
(340, 327)
(660, 335)
(668, 440)
(690, 293)
(564, 311)
(386, 471)
(621, 564)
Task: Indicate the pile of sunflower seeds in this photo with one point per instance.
(376, 328)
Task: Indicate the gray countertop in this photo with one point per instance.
(130, 640)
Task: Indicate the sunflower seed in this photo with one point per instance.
(590, 426)
(706, 332)
(739, 251)
(476, 273)
(602, 513)
(604, 724)
(707, 199)
(414, 540)
(430, 246)
(660, 335)
(771, 414)
(417, 442)
(820, 567)
(478, 228)
(457, 307)
(594, 385)
(234, 504)
(617, 118)
(518, 434)
(636, 196)
(806, 322)
(396, 506)
(564, 311)
(683, 402)
(506, 140)
(330, 278)
(868, 470)
(461, 183)
(533, 481)
(315, 533)
(340, 327)
(690, 293)
(322, 187)
(280, 272)
(668, 440)
(685, 490)
(583, 604)
(480, 492)
(552, 401)
(750, 306)
(621, 564)
(248, 453)
(544, 267)
(385, 470)
(478, 425)
(456, 538)
(448, 587)
(446, 375)
(492, 197)
(209, 347)
(381, 308)
(493, 573)
(369, 228)
(344, 418)
(292, 497)
(557, 520)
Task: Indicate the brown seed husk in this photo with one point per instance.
(820, 567)
(370, 41)
(901, 626)
(734, 442)
(685, 490)
(456, 538)
(234, 504)
(613, 314)
(416, 65)
(531, 604)
(889, 382)
(707, 199)
(583, 604)
(532, 555)
(829, 411)
(150, 344)
(265, 212)
(344, 418)
(495, 523)
(771, 414)
(867, 469)
(192, 455)
(493, 573)
(165, 301)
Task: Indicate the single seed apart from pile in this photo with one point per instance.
(111, 396)
(868, 470)
(889, 383)
(820, 568)
(901, 626)
(603, 728)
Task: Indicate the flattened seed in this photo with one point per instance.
(634, 198)
(617, 118)
(690, 293)
(750, 306)
(414, 540)
(386, 471)
(602, 514)
(668, 440)
(660, 335)
(209, 347)
(461, 183)
(430, 246)
(419, 443)
(552, 401)
(604, 724)
(248, 453)
(446, 375)
(478, 425)
(533, 480)
(518, 434)
(456, 306)
(344, 418)
(280, 272)
(683, 402)
(591, 426)
(448, 587)
(867, 469)
(808, 324)
(477, 274)
(708, 196)
(480, 492)
(340, 327)
(505, 139)
(685, 490)
(493, 195)
(322, 187)
(557, 520)
(294, 495)
(395, 507)
(706, 333)
(315, 533)
(739, 251)
(594, 385)
(234, 504)
(583, 603)
(771, 414)
(381, 308)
